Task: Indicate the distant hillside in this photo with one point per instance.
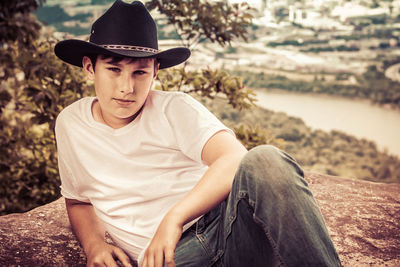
(334, 153)
(77, 18)
(63, 22)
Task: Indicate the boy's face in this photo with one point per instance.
(121, 87)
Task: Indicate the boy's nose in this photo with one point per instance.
(127, 85)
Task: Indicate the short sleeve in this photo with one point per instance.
(69, 188)
(192, 124)
(67, 182)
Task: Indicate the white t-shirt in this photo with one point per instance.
(135, 174)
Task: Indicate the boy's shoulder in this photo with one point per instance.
(77, 109)
(166, 97)
(78, 106)
(165, 94)
(176, 104)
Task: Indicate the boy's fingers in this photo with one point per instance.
(110, 262)
(149, 261)
(159, 258)
(169, 258)
(144, 263)
(123, 258)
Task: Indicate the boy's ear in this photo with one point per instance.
(156, 68)
(88, 67)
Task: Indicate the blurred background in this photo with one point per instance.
(319, 79)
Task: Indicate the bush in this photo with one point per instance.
(254, 136)
(36, 86)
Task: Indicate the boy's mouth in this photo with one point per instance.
(124, 102)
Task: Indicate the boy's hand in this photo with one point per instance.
(163, 244)
(103, 254)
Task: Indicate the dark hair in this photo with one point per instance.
(114, 59)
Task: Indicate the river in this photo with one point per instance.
(355, 117)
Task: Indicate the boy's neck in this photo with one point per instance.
(114, 123)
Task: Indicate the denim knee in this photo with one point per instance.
(271, 168)
(268, 155)
(273, 185)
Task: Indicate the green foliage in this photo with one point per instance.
(313, 42)
(28, 165)
(389, 62)
(196, 21)
(372, 84)
(204, 20)
(56, 16)
(380, 89)
(281, 13)
(254, 136)
(52, 14)
(207, 83)
(16, 23)
(297, 42)
(341, 48)
(101, 2)
(341, 76)
(35, 88)
(379, 33)
(165, 32)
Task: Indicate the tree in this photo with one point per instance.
(34, 87)
(16, 22)
(197, 21)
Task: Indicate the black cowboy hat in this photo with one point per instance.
(124, 30)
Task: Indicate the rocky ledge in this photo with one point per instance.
(363, 219)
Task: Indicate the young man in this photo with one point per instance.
(165, 178)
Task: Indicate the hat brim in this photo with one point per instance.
(72, 51)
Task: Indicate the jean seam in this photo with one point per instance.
(270, 239)
(213, 258)
(243, 195)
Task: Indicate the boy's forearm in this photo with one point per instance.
(85, 223)
(212, 189)
(223, 154)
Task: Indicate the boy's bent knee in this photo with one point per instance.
(262, 156)
(271, 165)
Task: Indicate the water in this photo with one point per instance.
(359, 118)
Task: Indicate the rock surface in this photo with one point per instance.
(40, 237)
(363, 219)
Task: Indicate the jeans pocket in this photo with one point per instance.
(199, 244)
(208, 233)
(204, 222)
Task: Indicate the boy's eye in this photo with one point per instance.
(114, 69)
(139, 72)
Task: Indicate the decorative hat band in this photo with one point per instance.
(131, 47)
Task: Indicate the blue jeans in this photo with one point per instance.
(270, 218)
